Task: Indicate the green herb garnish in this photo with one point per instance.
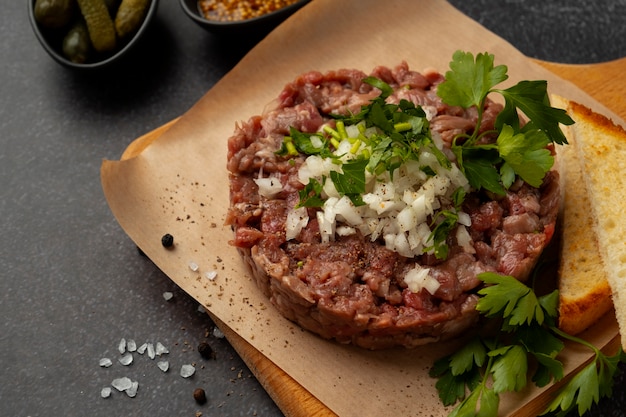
(519, 150)
(487, 366)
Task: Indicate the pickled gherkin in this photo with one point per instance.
(129, 16)
(76, 44)
(54, 14)
(99, 24)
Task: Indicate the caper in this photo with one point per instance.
(54, 14)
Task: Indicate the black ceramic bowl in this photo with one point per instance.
(255, 26)
(52, 40)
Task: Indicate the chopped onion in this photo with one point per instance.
(464, 239)
(297, 219)
(269, 187)
(397, 205)
(418, 278)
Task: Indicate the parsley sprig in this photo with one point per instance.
(520, 149)
(528, 339)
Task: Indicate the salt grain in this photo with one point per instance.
(218, 333)
(193, 266)
(105, 392)
(151, 352)
(132, 390)
(106, 362)
(163, 365)
(122, 346)
(127, 359)
(168, 295)
(141, 349)
(122, 384)
(160, 349)
(210, 275)
(187, 370)
(131, 346)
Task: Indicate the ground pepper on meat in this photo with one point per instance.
(352, 290)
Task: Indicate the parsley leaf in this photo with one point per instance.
(525, 154)
(528, 331)
(509, 299)
(469, 82)
(590, 384)
(531, 97)
(521, 146)
(509, 369)
(352, 181)
(472, 354)
(479, 166)
(311, 194)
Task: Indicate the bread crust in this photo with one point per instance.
(593, 248)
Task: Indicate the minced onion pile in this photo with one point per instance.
(402, 205)
(396, 207)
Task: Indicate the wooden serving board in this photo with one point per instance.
(606, 82)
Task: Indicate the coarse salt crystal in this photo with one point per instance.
(187, 370)
(131, 345)
(105, 392)
(193, 266)
(106, 362)
(122, 384)
(127, 359)
(167, 295)
(218, 333)
(122, 346)
(163, 365)
(151, 352)
(132, 390)
(210, 275)
(160, 349)
(141, 349)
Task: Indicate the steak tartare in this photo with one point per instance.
(367, 269)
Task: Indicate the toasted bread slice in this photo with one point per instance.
(584, 292)
(600, 146)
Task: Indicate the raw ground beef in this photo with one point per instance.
(352, 290)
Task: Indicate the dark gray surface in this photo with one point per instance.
(72, 284)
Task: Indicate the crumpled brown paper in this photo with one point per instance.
(179, 185)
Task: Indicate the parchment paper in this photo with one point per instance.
(179, 185)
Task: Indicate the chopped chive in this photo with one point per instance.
(341, 129)
(332, 132)
(402, 126)
(356, 146)
(334, 142)
(289, 145)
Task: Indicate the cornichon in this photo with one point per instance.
(53, 13)
(99, 24)
(76, 44)
(129, 16)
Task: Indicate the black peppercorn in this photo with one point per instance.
(167, 240)
(199, 395)
(206, 351)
